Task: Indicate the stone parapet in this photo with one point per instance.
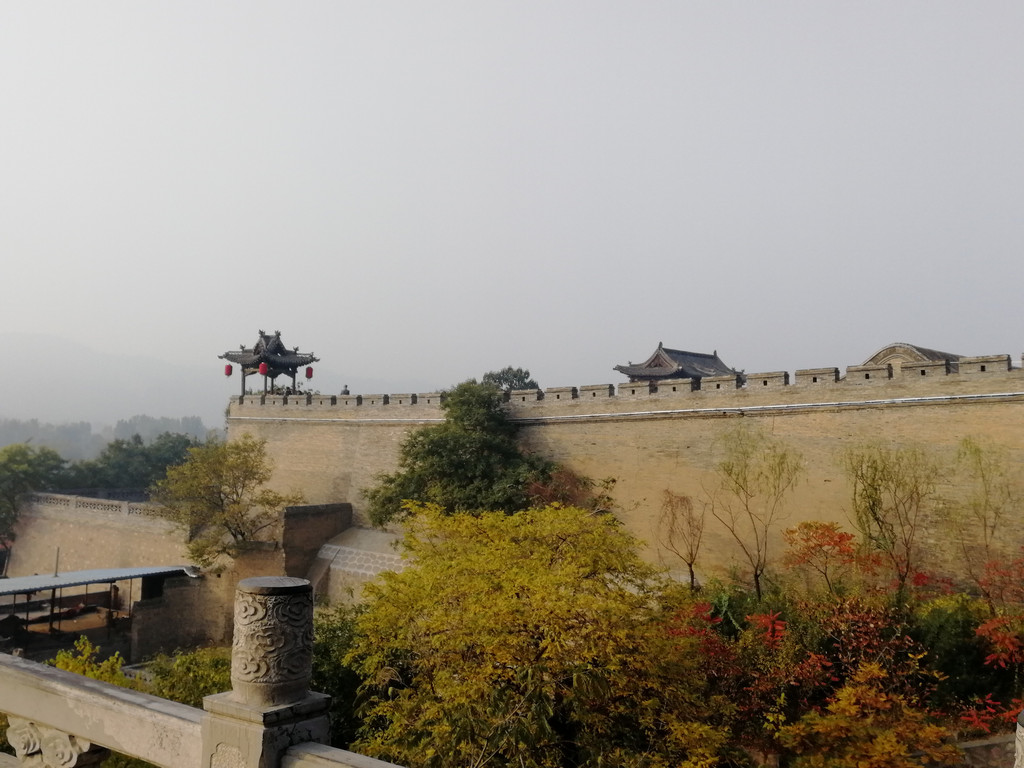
(817, 376)
(715, 383)
(868, 374)
(940, 376)
(772, 379)
(984, 364)
(675, 386)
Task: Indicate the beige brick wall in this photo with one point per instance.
(91, 533)
(666, 440)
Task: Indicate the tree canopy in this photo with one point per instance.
(23, 468)
(510, 378)
(130, 464)
(469, 462)
(219, 496)
(532, 639)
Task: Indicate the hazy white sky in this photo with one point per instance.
(420, 192)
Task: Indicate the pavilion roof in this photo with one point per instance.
(271, 350)
(668, 363)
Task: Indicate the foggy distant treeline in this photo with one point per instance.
(77, 441)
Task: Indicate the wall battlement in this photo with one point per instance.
(812, 384)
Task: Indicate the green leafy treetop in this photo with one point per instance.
(470, 462)
(532, 640)
(219, 497)
(23, 469)
(130, 464)
(510, 378)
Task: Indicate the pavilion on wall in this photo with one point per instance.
(668, 363)
(269, 358)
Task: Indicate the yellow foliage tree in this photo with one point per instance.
(535, 639)
(219, 496)
(867, 726)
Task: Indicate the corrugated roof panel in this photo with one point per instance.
(22, 585)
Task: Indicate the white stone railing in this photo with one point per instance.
(268, 720)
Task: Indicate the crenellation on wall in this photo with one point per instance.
(817, 376)
(675, 386)
(770, 380)
(741, 391)
(868, 374)
(719, 383)
(916, 371)
(985, 364)
(740, 386)
(561, 393)
(637, 389)
(525, 395)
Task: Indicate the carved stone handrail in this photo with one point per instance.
(159, 731)
(270, 719)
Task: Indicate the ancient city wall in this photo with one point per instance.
(100, 533)
(91, 533)
(653, 439)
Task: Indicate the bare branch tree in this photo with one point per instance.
(992, 494)
(892, 489)
(681, 529)
(756, 476)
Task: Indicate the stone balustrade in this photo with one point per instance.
(268, 720)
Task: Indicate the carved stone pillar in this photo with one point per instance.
(269, 707)
(272, 652)
(45, 747)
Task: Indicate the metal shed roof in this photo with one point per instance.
(22, 585)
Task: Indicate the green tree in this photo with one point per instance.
(131, 464)
(219, 496)
(756, 475)
(532, 639)
(892, 491)
(992, 495)
(22, 469)
(186, 677)
(469, 462)
(86, 660)
(333, 639)
(510, 378)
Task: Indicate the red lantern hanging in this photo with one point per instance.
(264, 369)
(228, 370)
(309, 371)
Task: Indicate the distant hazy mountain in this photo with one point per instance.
(58, 381)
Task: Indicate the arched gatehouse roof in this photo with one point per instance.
(901, 352)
